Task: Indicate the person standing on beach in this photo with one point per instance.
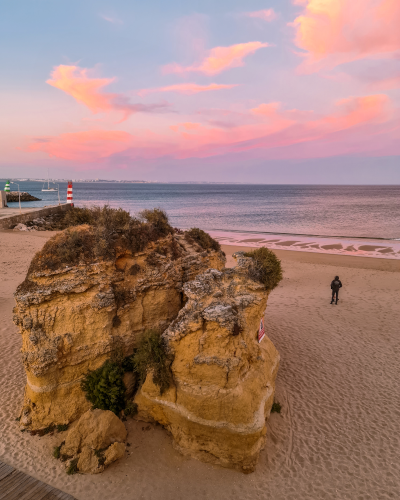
(335, 285)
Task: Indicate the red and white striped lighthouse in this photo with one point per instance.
(69, 193)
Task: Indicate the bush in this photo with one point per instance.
(77, 216)
(202, 238)
(73, 467)
(65, 248)
(56, 452)
(99, 234)
(104, 387)
(265, 268)
(158, 220)
(131, 409)
(276, 407)
(151, 355)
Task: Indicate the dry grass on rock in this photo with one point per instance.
(266, 267)
(99, 233)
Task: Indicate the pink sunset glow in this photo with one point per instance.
(321, 80)
(272, 127)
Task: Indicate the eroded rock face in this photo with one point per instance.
(96, 440)
(224, 380)
(72, 319)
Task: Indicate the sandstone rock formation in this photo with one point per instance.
(224, 379)
(95, 441)
(74, 316)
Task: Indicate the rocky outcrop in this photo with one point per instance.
(15, 196)
(224, 379)
(74, 317)
(95, 441)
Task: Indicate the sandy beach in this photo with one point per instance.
(338, 435)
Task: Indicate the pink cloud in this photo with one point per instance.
(186, 88)
(83, 146)
(219, 59)
(266, 15)
(356, 123)
(333, 32)
(75, 81)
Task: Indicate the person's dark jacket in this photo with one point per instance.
(335, 285)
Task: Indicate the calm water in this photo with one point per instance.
(351, 211)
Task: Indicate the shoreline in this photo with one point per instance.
(359, 247)
(336, 260)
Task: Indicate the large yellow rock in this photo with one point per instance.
(224, 379)
(73, 318)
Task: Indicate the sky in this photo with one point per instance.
(289, 91)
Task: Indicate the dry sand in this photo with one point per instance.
(338, 436)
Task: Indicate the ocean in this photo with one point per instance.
(346, 216)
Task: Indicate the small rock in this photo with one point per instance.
(88, 462)
(114, 452)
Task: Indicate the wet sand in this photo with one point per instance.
(338, 435)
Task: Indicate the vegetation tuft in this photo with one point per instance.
(131, 409)
(276, 407)
(72, 467)
(202, 238)
(104, 387)
(151, 355)
(100, 455)
(57, 452)
(158, 221)
(99, 233)
(62, 427)
(43, 432)
(266, 267)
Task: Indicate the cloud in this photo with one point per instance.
(266, 15)
(219, 59)
(186, 88)
(112, 20)
(333, 32)
(75, 81)
(83, 146)
(356, 124)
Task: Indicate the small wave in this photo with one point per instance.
(275, 233)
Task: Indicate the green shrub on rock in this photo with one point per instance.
(151, 355)
(104, 387)
(266, 267)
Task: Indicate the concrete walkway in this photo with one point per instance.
(10, 217)
(15, 485)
